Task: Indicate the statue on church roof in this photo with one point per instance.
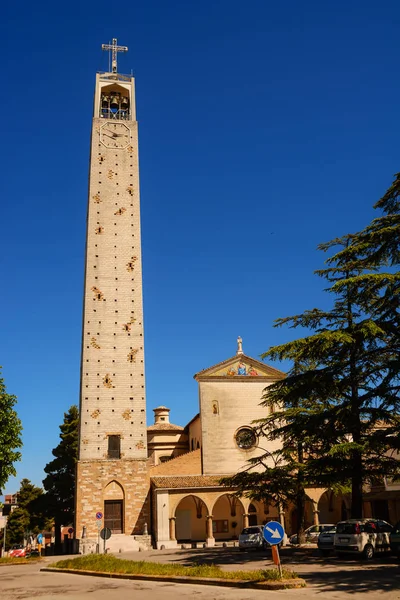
(240, 345)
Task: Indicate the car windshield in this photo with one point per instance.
(396, 528)
(249, 530)
(329, 529)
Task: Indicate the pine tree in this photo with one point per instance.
(60, 481)
(10, 435)
(353, 391)
(338, 418)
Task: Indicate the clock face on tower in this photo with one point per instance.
(115, 135)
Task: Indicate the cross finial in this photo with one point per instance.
(240, 348)
(114, 48)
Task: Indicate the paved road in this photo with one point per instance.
(327, 579)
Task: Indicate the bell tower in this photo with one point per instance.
(112, 475)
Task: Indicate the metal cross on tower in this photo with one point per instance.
(114, 48)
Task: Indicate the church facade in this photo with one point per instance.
(157, 485)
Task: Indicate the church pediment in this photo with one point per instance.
(240, 367)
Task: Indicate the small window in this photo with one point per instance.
(164, 459)
(114, 446)
(220, 526)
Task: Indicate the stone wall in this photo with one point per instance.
(93, 478)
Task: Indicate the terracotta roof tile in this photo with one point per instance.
(188, 481)
(165, 427)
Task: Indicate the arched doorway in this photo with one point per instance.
(190, 515)
(114, 507)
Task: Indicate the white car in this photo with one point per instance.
(362, 536)
(252, 537)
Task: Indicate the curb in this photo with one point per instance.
(263, 585)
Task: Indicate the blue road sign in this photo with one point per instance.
(99, 515)
(273, 533)
(39, 538)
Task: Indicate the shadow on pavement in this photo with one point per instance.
(350, 575)
(364, 579)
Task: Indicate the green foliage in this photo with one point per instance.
(347, 402)
(60, 481)
(336, 413)
(17, 526)
(107, 563)
(10, 435)
(27, 517)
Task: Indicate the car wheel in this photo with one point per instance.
(368, 552)
(325, 552)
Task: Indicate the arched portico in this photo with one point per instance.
(331, 507)
(190, 519)
(227, 516)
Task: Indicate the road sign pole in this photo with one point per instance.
(277, 559)
(99, 516)
(274, 533)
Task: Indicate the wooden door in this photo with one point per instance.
(113, 515)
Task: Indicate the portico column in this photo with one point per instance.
(245, 520)
(315, 513)
(172, 524)
(281, 515)
(209, 529)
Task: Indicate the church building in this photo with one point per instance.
(157, 485)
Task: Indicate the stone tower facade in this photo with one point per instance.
(112, 473)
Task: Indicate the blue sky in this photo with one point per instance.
(264, 129)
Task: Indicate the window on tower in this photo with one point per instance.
(114, 446)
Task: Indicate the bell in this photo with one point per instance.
(114, 101)
(105, 100)
(124, 102)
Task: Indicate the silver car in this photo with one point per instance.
(311, 534)
(251, 537)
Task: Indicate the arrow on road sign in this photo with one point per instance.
(274, 532)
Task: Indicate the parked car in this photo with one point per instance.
(362, 536)
(325, 541)
(17, 551)
(311, 534)
(251, 537)
(395, 540)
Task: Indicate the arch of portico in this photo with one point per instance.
(228, 515)
(189, 519)
(332, 507)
